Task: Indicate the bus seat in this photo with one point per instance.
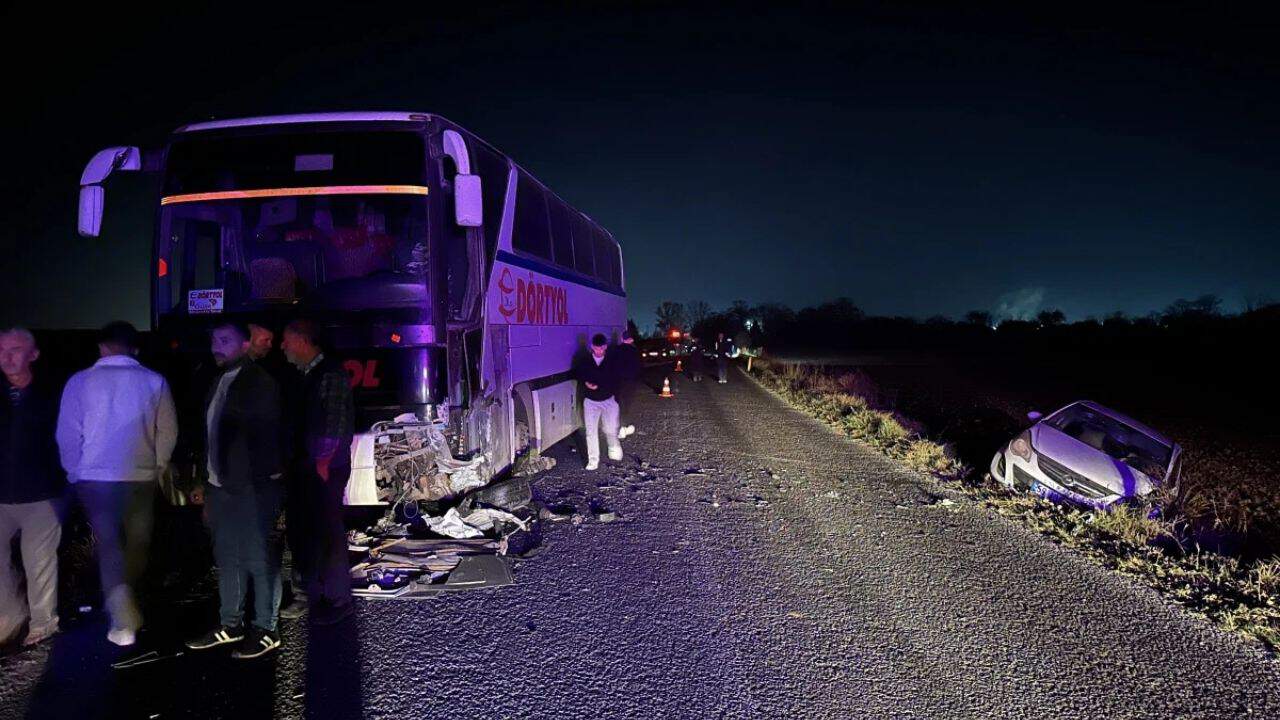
(303, 256)
(273, 279)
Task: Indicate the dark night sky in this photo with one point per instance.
(920, 161)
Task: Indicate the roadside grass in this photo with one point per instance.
(1240, 597)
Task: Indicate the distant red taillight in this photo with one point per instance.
(162, 268)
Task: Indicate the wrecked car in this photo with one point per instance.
(1089, 455)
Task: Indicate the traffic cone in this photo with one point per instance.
(666, 388)
(679, 367)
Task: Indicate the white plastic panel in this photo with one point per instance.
(362, 488)
(555, 410)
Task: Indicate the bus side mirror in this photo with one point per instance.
(125, 158)
(468, 207)
(89, 223)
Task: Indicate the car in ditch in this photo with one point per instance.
(1089, 455)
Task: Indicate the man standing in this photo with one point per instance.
(242, 419)
(262, 351)
(320, 468)
(31, 484)
(724, 350)
(599, 377)
(628, 368)
(116, 431)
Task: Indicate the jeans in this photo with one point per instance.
(40, 526)
(122, 515)
(596, 413)
(242, 524)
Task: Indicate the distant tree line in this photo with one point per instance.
(841, 324)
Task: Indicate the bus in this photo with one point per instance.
(456, 288)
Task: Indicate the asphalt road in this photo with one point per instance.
(762, 567)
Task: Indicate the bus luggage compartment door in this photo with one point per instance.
(555, 413)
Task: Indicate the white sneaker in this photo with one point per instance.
(123, 637)
(628, 430)
(615, 456)
(593, 466)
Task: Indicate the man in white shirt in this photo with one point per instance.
(116, 431)
(245, 465)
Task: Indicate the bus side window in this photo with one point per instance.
(530, 233)
(606, 259)
(561, 235)
(582, 240)
(493, 171)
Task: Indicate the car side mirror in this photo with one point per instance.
(1034, 416)
(468, 204)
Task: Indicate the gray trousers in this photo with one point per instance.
(39, 526)
(121, 515)
(598, 414)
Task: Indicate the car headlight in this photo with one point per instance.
(1021, 446)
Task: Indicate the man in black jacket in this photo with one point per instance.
(31, 486)
(628, 368)
(599, 377)
(245, 467)
(320, 465)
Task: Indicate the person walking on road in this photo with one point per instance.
(628, 369)
(320, 467)
(245, 470)
(117, 428)
(697, 360)
(724, 350)
(31, 487)
(599, 378)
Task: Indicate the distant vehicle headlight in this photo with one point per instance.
(1021, 446)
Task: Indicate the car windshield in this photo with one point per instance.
(1115, 438)
(256, 251)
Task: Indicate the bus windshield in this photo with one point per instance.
(347, 251)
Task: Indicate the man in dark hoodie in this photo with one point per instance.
(599, 377)
(31, 486)
(245, 467)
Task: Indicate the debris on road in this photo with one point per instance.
(447, 522)
(145, 658)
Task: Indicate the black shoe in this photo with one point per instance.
(256, 643)
(221, 635)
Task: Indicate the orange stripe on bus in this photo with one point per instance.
(296, 191)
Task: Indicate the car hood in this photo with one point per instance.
(1092, 464)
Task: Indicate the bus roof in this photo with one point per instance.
(373, 116)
